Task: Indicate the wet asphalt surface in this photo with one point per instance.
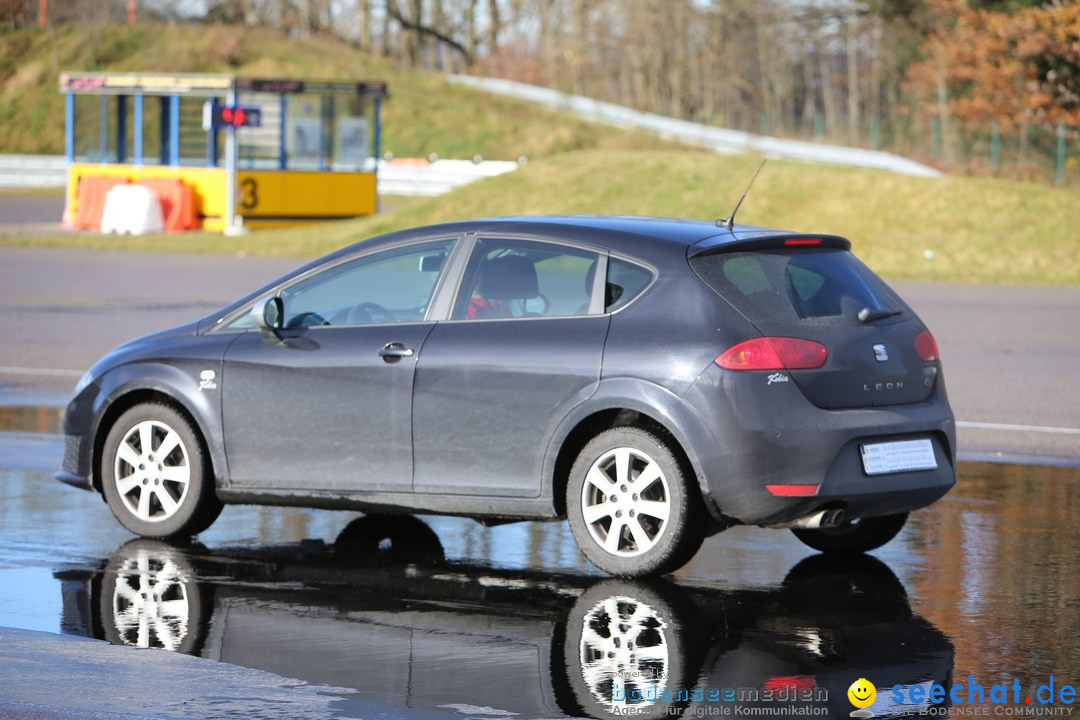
(321, 614)
(393, 616)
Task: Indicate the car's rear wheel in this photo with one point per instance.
(627, 651)
(853, 537)
(631, 506)
(155, 473)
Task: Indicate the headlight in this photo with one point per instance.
(84, 382)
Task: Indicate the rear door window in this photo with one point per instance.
(786, 286)
(524, 278)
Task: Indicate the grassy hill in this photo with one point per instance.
(955, 229)
(975, 230)
(978, 231)
(424, 114)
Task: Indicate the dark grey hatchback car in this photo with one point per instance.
(651, 380)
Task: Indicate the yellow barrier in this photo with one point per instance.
(264, 198)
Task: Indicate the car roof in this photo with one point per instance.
(598, 229)
(682, 231)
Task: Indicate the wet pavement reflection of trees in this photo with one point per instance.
(999, 571)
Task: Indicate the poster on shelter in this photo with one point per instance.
(352, 140)
(303, 137)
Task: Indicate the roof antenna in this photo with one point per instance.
(730, 222)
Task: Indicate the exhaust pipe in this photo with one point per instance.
(820, 519)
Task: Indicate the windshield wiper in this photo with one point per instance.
(866, 315)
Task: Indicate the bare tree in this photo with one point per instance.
(419, 32)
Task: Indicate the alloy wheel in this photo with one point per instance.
(152, 471)
(626, 502)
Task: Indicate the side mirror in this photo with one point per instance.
(268, 315)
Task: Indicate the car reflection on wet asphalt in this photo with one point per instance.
(406, 629)
(444, 614)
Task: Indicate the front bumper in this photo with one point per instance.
(74, 471)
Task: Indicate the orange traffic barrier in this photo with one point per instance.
(410, 162)
(177, 202)
(90, 200)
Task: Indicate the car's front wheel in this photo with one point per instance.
(151, 598)
(155, 473)
(855, 536)
(631, 505)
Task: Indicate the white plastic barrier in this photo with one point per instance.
(132, 209)
(435, 178)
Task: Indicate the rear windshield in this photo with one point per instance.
(787, 286)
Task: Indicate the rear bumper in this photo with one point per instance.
(847, 486)
(770, 434)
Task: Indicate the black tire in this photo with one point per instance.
(150, 597)
(144, 491)
(846, 586)
(393, 539)
(632, 634)
(668, 543)
(851, 538)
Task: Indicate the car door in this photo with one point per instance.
(523, 345)
(325, 404)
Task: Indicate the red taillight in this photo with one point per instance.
(774, 353)
(926, 346)
(785, 682)
(793, 490)
(803, 241)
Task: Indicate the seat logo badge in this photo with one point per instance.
(880, 353)
(778, 378)
(206, 380)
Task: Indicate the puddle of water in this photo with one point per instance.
(28, 599)
(449, 614)
(404, 627)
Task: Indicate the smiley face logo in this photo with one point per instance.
(862, 693)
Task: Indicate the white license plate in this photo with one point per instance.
(898, 456)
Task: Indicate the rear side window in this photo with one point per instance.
(625, 281)
(786, 286)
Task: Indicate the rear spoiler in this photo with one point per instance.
(726, 243)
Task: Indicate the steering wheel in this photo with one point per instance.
(369, 312)
(307, 319)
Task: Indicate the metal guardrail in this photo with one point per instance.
(30, 171)
(419, 177)
(717, 139)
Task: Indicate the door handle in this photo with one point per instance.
(395, 351)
